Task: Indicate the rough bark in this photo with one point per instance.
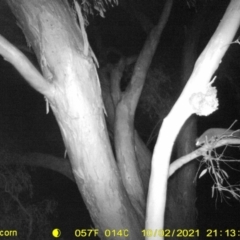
(74, 95)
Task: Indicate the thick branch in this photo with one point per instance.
(211, 57)
(142, 65)
(55, 164)
(11, 54)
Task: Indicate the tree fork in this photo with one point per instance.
(75, 98)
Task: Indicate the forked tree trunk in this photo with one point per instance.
(72, 89)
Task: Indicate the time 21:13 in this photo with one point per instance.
(222, 233)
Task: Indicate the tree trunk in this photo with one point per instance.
(198, 97)
(181, 188)
(72, 89)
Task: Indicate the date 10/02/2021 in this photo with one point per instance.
(182, 233)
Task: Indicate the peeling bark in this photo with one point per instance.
(75, 98)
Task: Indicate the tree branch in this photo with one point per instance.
(115, 78)
(46, 161)
(11, 54)
(144, 60)
(200, 152)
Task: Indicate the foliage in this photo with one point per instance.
(212, 164)
(91, 7)
(17, 212)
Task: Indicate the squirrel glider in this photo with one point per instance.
(214, 134)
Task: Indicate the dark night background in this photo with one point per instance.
(25, 127)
